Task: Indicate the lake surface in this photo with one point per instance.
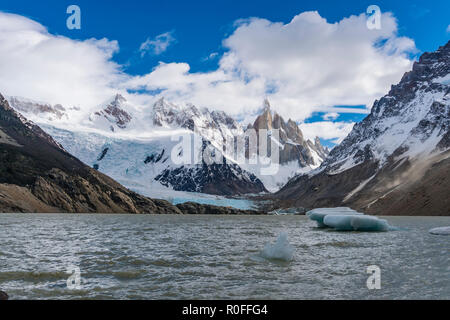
(216, 257)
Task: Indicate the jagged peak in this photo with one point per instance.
(4, 103)
(266, 104)
(291, 122)
(118, 98)
(163, 104)
(161, 100)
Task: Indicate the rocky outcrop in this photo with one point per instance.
(47, 110)
(115, 112)
(196, 208)
(397, 160)
(224, 179)
(293, 145)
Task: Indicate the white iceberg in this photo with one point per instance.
(442, 231)
(319, 214)
(280, 250)
(338, 222)
(346, 219)
(356, 223)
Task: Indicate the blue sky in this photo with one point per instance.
(198, 28)
(201, 25)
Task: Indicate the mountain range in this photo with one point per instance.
(38, 175)
(396, 161)
(135, 145)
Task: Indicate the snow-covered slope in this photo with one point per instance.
(144, 148)
(404, 140)
(410, 120)
(136, 145)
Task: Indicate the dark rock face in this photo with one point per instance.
(214, 178)
(397, 160)
(38, 175)
(155, 157)
(219, 179)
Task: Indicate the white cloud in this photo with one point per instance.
(157, 45)
(45, 67)
(307, 65)
(304, 66)
(211, 56)
(336, 131)
(330, 116)
(448, 28)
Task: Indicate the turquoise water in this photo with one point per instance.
(217, 257)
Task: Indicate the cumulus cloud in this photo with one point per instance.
(55, 69)
(328, 130)
(304, 66)
(157, 45)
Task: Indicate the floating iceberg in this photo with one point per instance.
(319, 214)
(346, 219)
(356, 223)
(338, 222)
(442, 231)
(280, 250)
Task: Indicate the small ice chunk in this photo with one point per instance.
(442, 231)
(280, 250)
(319, 214)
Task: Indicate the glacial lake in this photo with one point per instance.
(216, 257)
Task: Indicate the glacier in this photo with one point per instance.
(133, 143)
(110, 154)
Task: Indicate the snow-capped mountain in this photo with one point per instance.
(37, 175)
(38, 109)
(296, 154)
(214, 126)
(114, 115)
(139, 146)
(396, 161)
(136, 147)
(293, 146)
